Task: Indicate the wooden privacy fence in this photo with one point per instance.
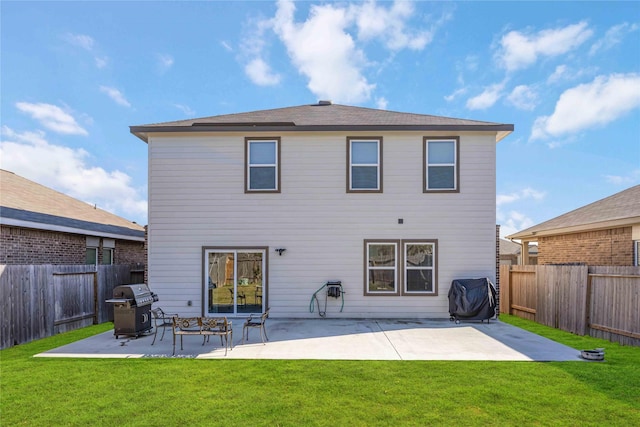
(600, 301)
(38, 301)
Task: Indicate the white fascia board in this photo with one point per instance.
(62, 229)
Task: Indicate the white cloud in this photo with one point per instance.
(115, 95)
(226, 46)
(390, 24)
(487, 98)
(523, 97)
(260, 73)
(612, 37)
(87, 43)
(589, 105)
(519, 50)
(631, 178)
(559, 73)
(52, 117)
(381, 103)
(564, 73)
(526, 193)
(101, 62)
(455, 94)
(185, 109)
(80, 40)
(324, 52)
(513, 221)
(165, 61)
(30, 155)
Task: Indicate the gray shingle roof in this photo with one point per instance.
(25, 200)
(323, 116)
(89, 227)
(621, 208)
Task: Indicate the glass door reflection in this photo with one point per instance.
(235, 281)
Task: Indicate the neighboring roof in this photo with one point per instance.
(28, 204)
(324, 116)
(620, 210)
(508, 247)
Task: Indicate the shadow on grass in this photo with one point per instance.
(618, 376)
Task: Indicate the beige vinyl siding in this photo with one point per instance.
(196, 197)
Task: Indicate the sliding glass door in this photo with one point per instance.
(235, 281)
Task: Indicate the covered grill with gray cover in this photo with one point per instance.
(472, 299)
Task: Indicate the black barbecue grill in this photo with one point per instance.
(132, 309)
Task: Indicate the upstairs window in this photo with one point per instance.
(364, 165)
(262, 171)
(441, 165)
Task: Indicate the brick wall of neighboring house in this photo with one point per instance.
(604, 247)
(128, 252)
(30, 246)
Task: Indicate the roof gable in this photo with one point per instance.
(323, 116)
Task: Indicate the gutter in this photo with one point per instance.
(143, 132)
(49, 227)
(595, 226)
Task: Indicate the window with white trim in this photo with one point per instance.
(441, 164)
(381, 269)
(108, 250)
(364, 164)
(91, 256)
(107, 256)
(419, 267)
(262, 169)
(91, 253)
(636, 258)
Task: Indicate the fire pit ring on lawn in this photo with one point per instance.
(597, 354)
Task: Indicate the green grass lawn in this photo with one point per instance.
(192, 392)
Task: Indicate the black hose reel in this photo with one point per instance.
(334, 290)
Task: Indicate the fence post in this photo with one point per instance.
(95, 298)
(587, 311)
(505, 289)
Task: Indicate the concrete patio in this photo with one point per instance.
(340, 339)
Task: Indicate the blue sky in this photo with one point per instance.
(76, 75)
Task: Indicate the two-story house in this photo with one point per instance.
(263, 208)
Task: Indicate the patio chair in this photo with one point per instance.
(242, 299)
(160, 320)
(257, 322)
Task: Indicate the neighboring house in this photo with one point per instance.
(510, 253)
(39, 225)
(606, 232)
(261, 209)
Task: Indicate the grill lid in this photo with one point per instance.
(138, 294)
